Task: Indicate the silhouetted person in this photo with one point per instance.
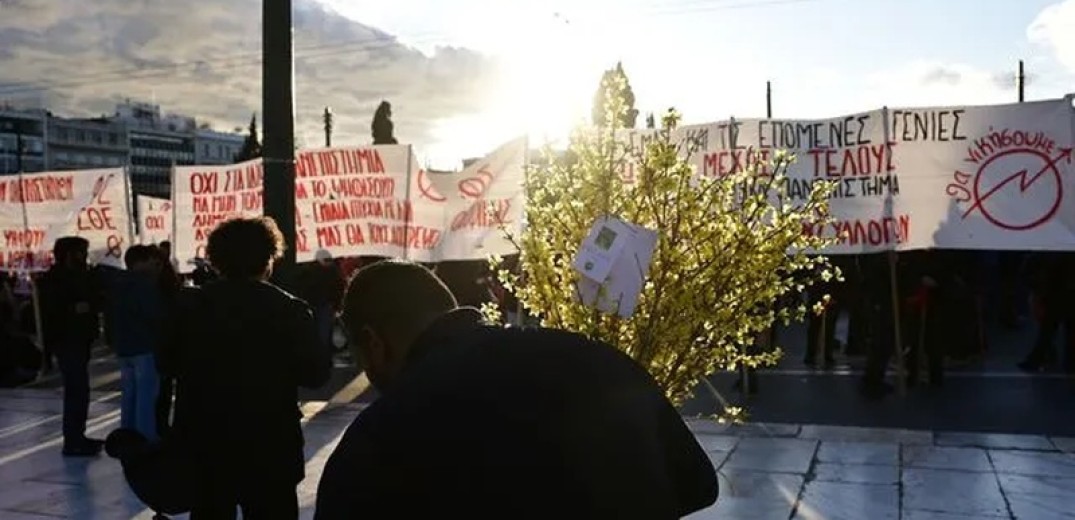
(170, 284)
(321, 285)
(138, 315)
(243, 349)
(1053, 280)
(486, 422)
(69, 305)
(878, 300)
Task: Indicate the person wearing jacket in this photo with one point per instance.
(242, 348)
(138, 317)
(476, 421)
(69, 305)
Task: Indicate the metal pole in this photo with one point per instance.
(327, 117)
(278, 107)
(18, 149)
(768, 100)
(1020, 82)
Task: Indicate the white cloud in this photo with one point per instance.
(83, 56)
(932, 83)
(1054, 28)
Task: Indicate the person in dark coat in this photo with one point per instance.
(137, 316)
(1052, 277)
(170, 283)
(477, 421)
(243, 348)
(70, 304)
(321, 285)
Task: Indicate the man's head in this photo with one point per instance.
(71, 252)
(387, 306)
(245, 248)
(323, 257)
(142, 259)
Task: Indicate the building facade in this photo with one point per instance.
(76, 144)
(22, 140)
(212, 147)
(156, 143)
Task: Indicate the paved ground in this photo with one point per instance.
(990, 395)
(775, 472)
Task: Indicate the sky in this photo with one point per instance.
(467, 75)
(711, 58)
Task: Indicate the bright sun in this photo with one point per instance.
(546, 87)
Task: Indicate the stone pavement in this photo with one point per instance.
(766, 471)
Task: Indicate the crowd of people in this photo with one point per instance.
(472, 420)
(544, 420)
(942, 298)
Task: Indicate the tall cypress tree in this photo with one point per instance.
(630, 117)
(251, 146)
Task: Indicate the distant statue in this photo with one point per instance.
(383, 129)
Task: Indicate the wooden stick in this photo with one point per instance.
(901, 364)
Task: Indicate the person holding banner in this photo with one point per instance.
(69, 304)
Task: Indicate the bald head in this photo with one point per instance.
(387, 305)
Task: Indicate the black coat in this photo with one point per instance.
(65, 325)
(516, 423)
(241, 351)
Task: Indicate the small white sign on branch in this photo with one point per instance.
(614, 260)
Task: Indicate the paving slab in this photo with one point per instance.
(939, 457)
(1039, 497)
(994, 441)
(857, 473)
(844, 452)
(748, 495)
(1061, 465)
(958, 492)
(848, 501)
(773, 455)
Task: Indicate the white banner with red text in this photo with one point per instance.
(975, 177)
(36, 209)
(154, 219)
(371, 200)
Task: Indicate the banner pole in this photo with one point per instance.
(173, 235)
(129, 199)
(901, 362)
(519, 258)
(409, 203)
(35, 299)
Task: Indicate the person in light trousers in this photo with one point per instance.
(138, 320)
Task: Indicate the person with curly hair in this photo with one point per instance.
(242, 349)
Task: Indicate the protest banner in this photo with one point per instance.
(354, 201)
(154, 219)
(203, 196)
(36, 209)
(482, 207)
(975, 177)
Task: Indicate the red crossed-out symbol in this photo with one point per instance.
(475, 187)
(425, 187)
(1025, 181)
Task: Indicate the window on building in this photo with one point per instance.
(96, 137)
(113, 139)
(62, 134)
(80, 136)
